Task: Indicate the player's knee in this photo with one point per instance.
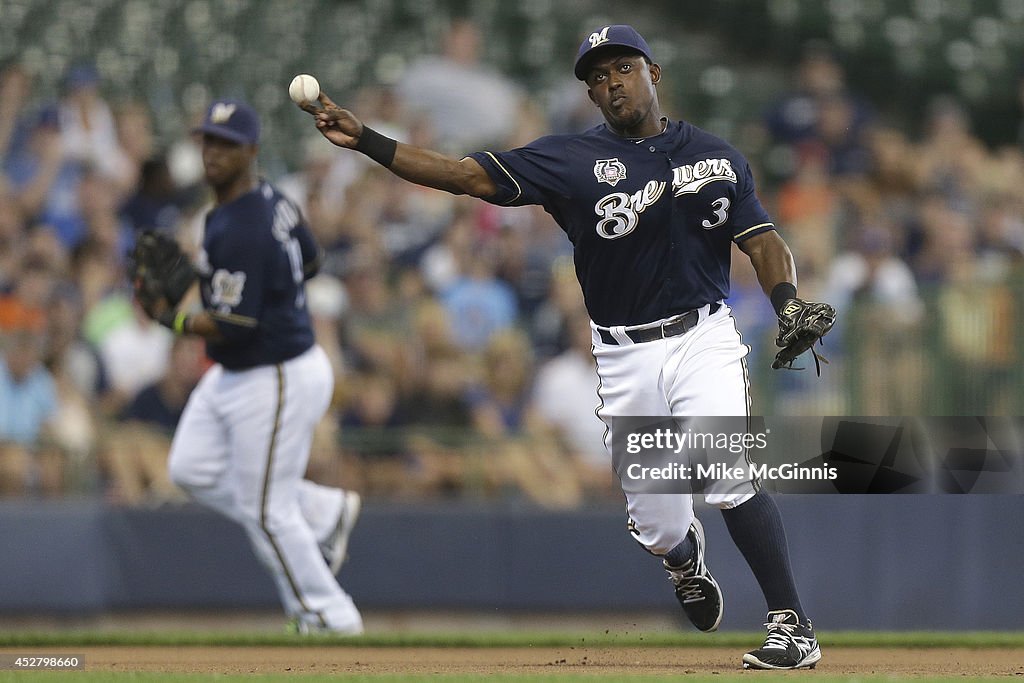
(267, 520)
(180, 474)
(185, 474)
(267, 511)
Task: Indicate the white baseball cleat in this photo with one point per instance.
(335, 550)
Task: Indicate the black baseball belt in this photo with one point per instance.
(673, 327)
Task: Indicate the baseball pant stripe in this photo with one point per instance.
(756, 481)
(630, 524)
(265, 496)
(600, 401)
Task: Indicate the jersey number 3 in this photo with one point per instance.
(721, 207)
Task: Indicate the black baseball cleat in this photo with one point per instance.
(696, 590)
(789, 645)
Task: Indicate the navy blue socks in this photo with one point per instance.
(681, 554)
(756, 529)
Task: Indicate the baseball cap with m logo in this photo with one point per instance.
(617, 36)
(231, 120)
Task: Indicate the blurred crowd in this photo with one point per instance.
(917, 238)
(456, 329)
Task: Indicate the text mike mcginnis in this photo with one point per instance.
(720, 471)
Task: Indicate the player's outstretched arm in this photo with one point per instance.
(415, 164)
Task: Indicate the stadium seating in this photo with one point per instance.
(176, 54)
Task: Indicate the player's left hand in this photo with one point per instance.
(801, 324)
(149, 293)
(153, 307)
(159, 271)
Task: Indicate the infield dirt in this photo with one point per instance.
(483, 661)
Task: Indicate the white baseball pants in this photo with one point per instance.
(699, 373)
(241, 448)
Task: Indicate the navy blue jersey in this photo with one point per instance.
(651, 221)
(251, 276)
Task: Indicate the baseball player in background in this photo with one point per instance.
(652, 207)
(244, 438)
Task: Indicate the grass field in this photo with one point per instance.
(721, 639)
(534, 657)
(49, 677)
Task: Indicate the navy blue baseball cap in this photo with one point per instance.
(616, 35)
(232, 120)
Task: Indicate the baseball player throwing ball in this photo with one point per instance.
(244, 439)
(652, 207)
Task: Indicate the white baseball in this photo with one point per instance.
(303, 89)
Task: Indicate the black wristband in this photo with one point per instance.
(781, 293)
(378, 147)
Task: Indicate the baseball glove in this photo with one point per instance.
(801, 324)
(159, 269)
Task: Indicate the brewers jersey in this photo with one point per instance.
(651, 220)
(251, 274)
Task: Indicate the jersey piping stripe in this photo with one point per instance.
(235, 319)
(265, 495)
(760, 225)
(519, 190)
